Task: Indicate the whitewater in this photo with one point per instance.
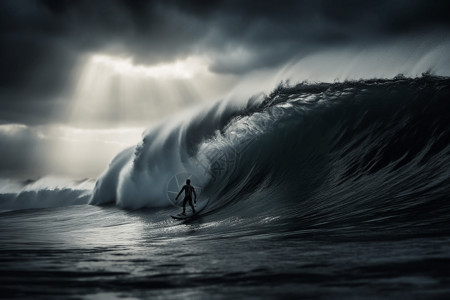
(324, 190)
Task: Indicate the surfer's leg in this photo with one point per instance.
(184, 205)
(192, 205)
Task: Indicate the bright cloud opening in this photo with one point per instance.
(180, 69)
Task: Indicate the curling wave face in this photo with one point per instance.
(326, 154)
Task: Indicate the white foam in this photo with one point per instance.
(44, 192)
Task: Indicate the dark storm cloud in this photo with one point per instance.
(41, 41)
(275, 31)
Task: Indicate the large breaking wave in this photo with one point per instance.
(368, 152)
(358, 151)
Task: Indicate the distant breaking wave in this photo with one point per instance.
(44, 192)
(361, 151)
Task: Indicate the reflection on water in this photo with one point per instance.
(105, 252)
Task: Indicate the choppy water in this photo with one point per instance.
(94, 252)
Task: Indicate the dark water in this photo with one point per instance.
(317, 190)
(94, 252)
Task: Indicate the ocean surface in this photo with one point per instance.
(318, 190)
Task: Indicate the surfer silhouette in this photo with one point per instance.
(188, 191)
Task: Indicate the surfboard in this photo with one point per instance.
(201, 204)
(186, 216)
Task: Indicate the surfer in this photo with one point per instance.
(188, 191)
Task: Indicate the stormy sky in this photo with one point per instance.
(72, 72)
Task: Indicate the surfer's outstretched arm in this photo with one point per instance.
(180, 192)
(195, 195)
